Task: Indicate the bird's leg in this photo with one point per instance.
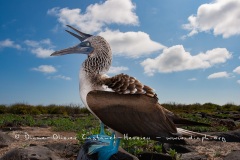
(102, 132)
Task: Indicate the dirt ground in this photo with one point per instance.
(214, 150)
(37, 136)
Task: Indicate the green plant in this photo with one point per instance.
(174, 154)
(158, 148)
(29, 120)
(62, 124)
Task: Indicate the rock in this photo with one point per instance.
(229, 123)
(236, 117)
(234, 155)
(6, 129)
(231, 136)
(63, 149)
(31, 153)
(204, 115)
(14, 123)
(178, 148)
(193, 156)
(153, 156)
(5, 140)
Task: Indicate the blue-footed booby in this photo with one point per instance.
(121, 102)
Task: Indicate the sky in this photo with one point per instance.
(187, 51)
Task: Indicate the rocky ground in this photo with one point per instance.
(41, 143)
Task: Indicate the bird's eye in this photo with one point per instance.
(85, 44)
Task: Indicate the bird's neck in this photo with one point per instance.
(96, 66)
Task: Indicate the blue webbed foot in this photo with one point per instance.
(106, 147)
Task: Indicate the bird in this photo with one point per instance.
(122, 103)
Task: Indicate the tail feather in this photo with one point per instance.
(187, 133)
(179, 122)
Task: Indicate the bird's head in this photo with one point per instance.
(90, 45)
(96, 47)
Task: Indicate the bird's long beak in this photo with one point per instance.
(83, 47)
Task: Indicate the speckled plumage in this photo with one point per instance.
(125, 84)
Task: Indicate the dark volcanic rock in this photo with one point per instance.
(204, 115)
(236, 117)
(231, 136)
(5, 140)
(178, 148)
(193, 156)
(229, 123)
(234, 155)
(6, 129)
(63, 149)
(31, 153)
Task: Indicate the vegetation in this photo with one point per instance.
(138, 145)
(22, 108)
(58, 123)
(174, 154)
(197, 107)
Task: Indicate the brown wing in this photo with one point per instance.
(132, 114)
(125, 84)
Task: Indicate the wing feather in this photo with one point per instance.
(125, 84)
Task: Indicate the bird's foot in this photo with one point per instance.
(106, 148)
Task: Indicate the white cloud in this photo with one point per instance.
(45, 69)
(175, 58)
(42, 53)
(221, 16)
(7, 43)
(192, 79)
(117, 70)
(32, 43)
(45, 42)
(131, 44)
(238, 81)
(60, 77)
(41, 49)
(219, 75)
(237, 70)
(98, 15)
